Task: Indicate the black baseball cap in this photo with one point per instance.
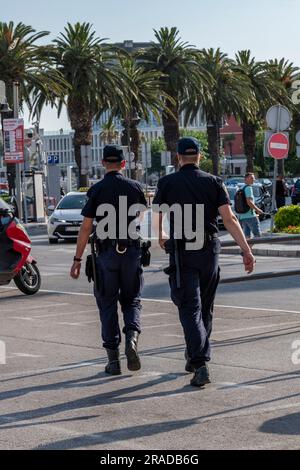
(113, 153)
(188, 146)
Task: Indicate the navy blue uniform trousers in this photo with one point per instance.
(120, 279)
(200, 276)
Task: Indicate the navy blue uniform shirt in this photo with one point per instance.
(108, 190)
(190, 185)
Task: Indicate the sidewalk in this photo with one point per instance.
(279, 250)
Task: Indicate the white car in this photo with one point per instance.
(64, 223)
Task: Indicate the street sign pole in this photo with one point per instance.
(17, 165)
(275, 175)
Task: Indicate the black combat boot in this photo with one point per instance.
(188, 366)
(114, 366)
(133, 360)
(201, 376)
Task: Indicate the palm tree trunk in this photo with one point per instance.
(213, 146)
(249, 139)
(82, 136)
(134, 144)
(171, 130)
(81, 122)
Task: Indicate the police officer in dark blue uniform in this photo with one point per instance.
(194, 273)
(118, 262)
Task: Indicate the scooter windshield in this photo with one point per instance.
(4, 205)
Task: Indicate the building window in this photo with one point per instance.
(237, 170)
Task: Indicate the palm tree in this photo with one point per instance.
(181, 72)
(144, 99)
(226, 94)
(265, 91)
(89, 66)
(29, 65)
(109, 134)
(283, 73)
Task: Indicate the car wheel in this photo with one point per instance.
(53, 241)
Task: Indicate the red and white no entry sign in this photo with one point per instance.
(278, 146)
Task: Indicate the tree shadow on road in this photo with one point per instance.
(288, 425)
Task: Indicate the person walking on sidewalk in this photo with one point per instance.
(281, 191)
(194, 270)
(118, 262)
(250, 219)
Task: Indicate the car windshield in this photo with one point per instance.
(3, 204)
(297, 184)
(231, 192)
(256, 191)
(74, 201)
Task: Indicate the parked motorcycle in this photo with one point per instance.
(16, 263)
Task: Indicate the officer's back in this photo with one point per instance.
(118, 262)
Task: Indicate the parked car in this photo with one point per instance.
(262, 199)
(290, 182)
(234, 181)
(296, 192)
(66, 218)
(267, 183)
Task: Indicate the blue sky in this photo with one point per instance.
(269, 28)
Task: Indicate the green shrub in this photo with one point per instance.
(286, 217)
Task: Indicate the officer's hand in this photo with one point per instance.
(162, 242)
(75, 270)
(249, 261)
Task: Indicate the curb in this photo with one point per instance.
(262, 252)
(36, 229)
(255, 277)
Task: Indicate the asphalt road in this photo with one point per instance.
(54, 394)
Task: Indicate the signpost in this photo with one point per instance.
(278, 146)
(13, 130)
(53, 159)
(165, 158)
(278, 119)
(2, 92)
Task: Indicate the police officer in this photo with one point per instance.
(118, 259)
(198, 268)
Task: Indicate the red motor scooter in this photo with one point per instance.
(16, 263)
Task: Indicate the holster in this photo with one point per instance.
(91, 266)
(146, 255)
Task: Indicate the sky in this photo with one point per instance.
(269, 28)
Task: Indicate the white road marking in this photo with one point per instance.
(82, 323)
(157, 314)
(233, 385)
(172, 336)
(160, 326)
(57, 314)
(270, 325)
(258, 309)
(26, 373)
(162, 301)
(24, 355)
(39, 306)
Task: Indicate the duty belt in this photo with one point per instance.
(120, 245)
(208, 237)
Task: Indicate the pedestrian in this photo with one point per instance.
(250, 218)
(118, 262)
(281, 191)
(198, 269)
